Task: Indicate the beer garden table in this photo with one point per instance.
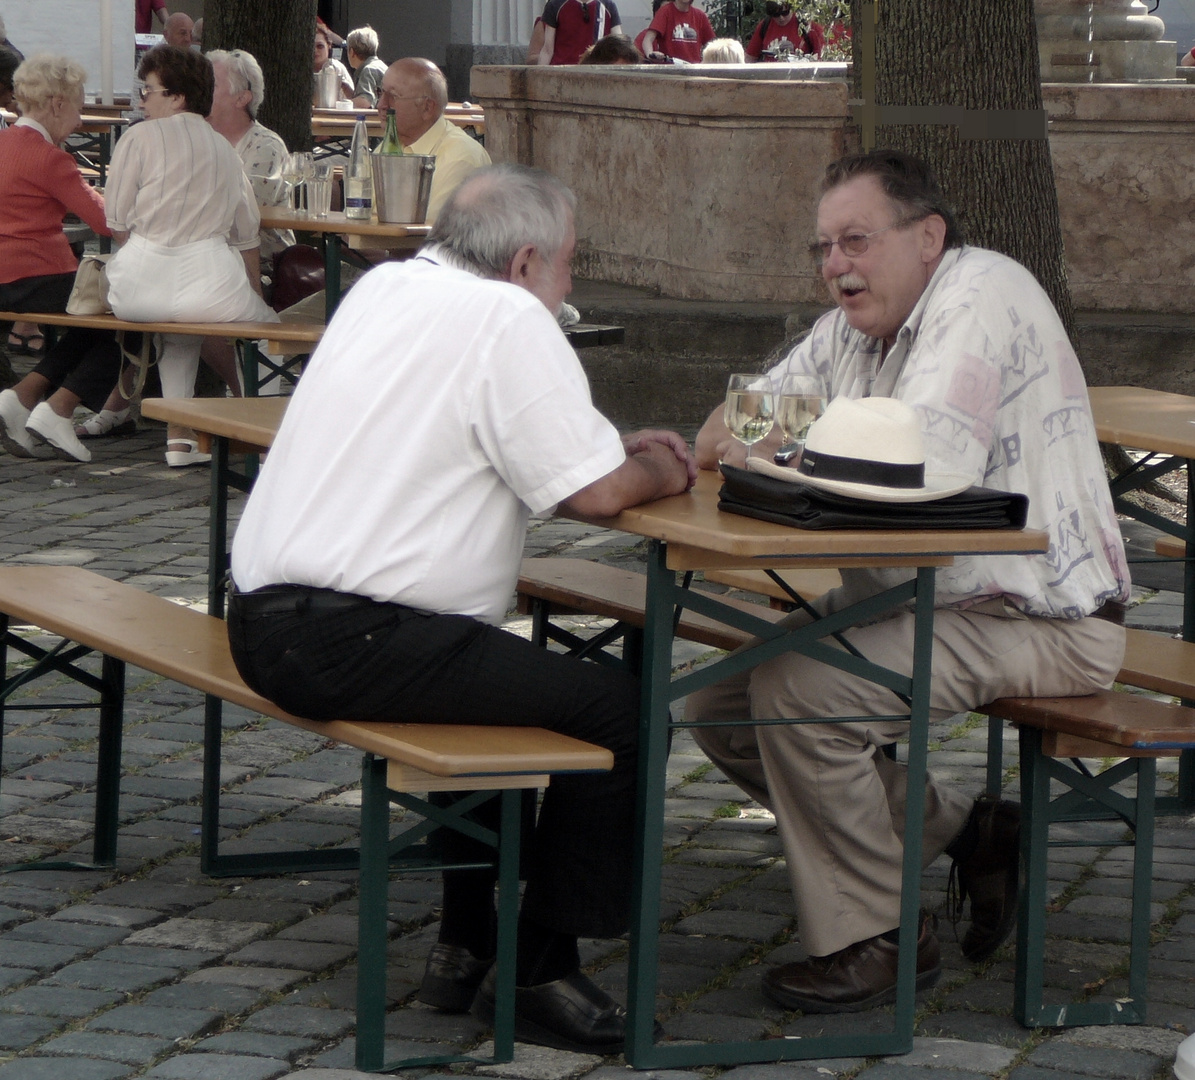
(686, 533)
(1163, 425)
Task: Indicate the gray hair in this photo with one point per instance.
(364, 42)
(244, 73)
(46, 76)
(498, 210)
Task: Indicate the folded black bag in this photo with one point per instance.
(754, 495)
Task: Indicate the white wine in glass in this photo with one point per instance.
(802, 401)
(750, 410)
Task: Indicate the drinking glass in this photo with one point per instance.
(319, 189)
(292, 172)
(749, 408)
(802, 400)
(306, 169)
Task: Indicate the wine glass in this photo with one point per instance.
(306, 170)
(292, 172)
(749, 408)
(802, 401)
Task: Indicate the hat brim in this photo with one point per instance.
(937, 485)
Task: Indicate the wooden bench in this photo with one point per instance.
(563, 586)
(1170, 547)
(90, 613)
(287, 339)
(1105, 725)
(807, 584)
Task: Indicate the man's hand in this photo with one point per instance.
(637, 443)
(653, 471)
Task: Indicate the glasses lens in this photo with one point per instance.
(853, 244)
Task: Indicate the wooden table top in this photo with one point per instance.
(251, 421)
(1144, 419)
(281, 217)
(700, 536)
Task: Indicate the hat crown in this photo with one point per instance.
(868, 429)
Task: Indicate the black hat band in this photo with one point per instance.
(861, 471)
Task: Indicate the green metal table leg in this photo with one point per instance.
(508, 924)
(1143, 847)
(1031, 917)
(217, 540)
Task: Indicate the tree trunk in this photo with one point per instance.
(279, 34)
(981, 55)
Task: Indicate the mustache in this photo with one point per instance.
(848, 280)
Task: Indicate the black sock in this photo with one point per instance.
(468, 919)
(544, 955)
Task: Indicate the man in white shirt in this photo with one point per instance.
(379, 550)
(970, 341)
(418, 93)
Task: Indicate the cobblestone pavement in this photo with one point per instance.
(153, 970)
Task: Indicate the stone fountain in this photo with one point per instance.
(1101, 41)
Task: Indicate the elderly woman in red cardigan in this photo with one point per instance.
(39, 184)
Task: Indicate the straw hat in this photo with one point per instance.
(869, 448)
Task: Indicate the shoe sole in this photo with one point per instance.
(11, 445)
(446, 995)
(530, 1032)
(59, 452)
(815, 1005)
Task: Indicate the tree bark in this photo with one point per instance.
(978, 54)
(279, 34)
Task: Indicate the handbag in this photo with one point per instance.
(89, 296)
(761, 496)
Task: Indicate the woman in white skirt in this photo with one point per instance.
(180, 201)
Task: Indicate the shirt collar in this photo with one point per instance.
(430, 139)
(28, 121)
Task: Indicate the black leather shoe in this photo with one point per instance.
(451, 978)
(989, 876)
(861, 976)
(568, 1014)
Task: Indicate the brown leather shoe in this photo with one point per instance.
(989, 876)
(861, 976)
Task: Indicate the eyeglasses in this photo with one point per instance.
(385, 95)
(145, 91)
(852, 244)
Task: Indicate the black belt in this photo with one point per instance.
(287, 599)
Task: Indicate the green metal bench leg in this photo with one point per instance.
(371, 917)
(107, 780)
(1083, 803)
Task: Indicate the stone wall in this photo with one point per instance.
(705, 188)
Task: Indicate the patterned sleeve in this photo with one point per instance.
(124, 177)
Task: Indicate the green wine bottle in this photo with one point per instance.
(390, 141)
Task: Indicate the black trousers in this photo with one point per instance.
(327, 655)
(85, 362)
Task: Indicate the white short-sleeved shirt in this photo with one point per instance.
(263, 154)
(986, 362)
(175, 181)
(439, 411)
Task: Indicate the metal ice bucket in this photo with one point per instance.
(327, 87)
(401, 186)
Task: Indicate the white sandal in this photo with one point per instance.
(105, 422)
(178, 459)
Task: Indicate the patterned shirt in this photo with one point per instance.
(262, 153)
(175, 181)
(985, 361)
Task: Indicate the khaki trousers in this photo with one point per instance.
(839, 802)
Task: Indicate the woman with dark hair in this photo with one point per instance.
(181, 204)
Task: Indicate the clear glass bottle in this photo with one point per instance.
(358, 176)
(391, 144)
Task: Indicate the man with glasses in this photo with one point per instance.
(971, 342)
(418, 93)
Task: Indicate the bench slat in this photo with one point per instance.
(1158, 662)
(1115, 719)
(309, 332)
(192, 648)
(589, 588)
(1170, 547)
